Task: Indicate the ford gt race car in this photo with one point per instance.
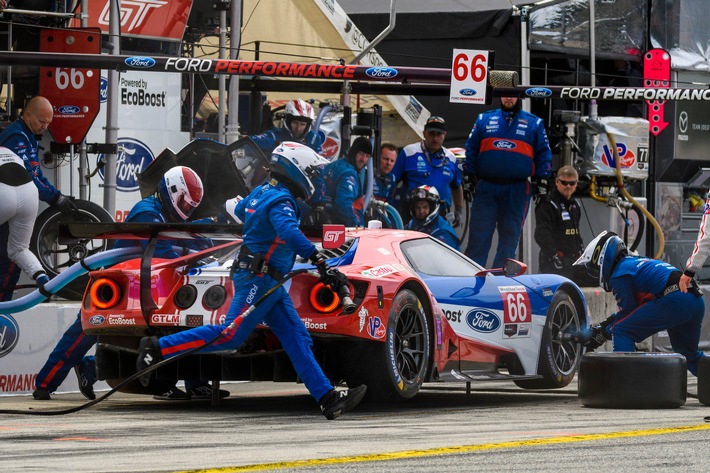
(420, 312)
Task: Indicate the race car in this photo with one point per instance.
(420, 312)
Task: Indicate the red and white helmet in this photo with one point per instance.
(181, 192)
(299, 110)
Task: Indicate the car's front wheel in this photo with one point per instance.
(558, 359)
(395, 370)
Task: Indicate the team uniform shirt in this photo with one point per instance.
(702, 244)
(439, 228)
(418, 167)
(557, 228)
(343, 193)
(383, 188)
(270, 139)
(18, 137)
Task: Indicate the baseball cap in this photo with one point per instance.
(435, 123)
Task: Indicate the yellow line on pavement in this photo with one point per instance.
(407, 454)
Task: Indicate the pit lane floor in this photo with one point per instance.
(277, 427)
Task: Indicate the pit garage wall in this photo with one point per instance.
(27, 339)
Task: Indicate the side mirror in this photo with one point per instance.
(514, 268)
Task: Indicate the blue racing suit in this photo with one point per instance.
(638, 285)
(270, 139)
(271, 218)
(383, 188)
(439, 228)
(343, 193)
(74, 344)
(418, 167)
(18, 137)
(503, 155)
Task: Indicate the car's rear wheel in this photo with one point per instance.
(54, 257)
(395, 370)
(558, 359)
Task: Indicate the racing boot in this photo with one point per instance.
(335, 403)
(148, 355)
(86, 376)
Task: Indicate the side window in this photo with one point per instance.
(429, 256)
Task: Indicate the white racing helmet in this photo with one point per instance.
(180, 191)
(429, 194)
(299, 110)
(601, 255)
(296, 166)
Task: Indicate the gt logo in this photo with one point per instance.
(133, 11)
(333, 236)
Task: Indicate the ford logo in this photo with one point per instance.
(68, 110)
(97, 320)
(504, 144)
(9, 334)
(538, 92)
(140, 62)
(467, 92)
(103, 89)
(133, 157)
(483, 320)
(381, 72)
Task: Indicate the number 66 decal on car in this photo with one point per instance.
(516, 304)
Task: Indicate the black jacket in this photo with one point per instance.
(557, 229)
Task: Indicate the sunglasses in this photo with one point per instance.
(567, 183)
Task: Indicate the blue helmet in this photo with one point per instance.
(601, 255)
(296, 165)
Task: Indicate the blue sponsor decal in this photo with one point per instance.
(133, 157)
(483, 320)
(504, 144)
(375, 327)
(68, 110)
(381, 72)
(538, 92)
(9, 334)
(467, 92)
(140, 62)
(103, 89)
(97, 320)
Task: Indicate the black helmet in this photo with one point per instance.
(429, 194)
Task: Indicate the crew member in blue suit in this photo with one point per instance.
(429, 163)
(649, 300)
(298, 118)
(343, 189)
(179, 193)
(505, 148)
(424, 204)
(384, 185)
(270, 243)
(21, 137)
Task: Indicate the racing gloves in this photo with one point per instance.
(600, 334)
(65, 205)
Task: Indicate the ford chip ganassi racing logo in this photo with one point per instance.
(97, 320)
(68, 110)
(381, 72)
(467, 92)
(133, 157)
(9, 334)
(483, 320)
(504, 144)
(103, 89)
(140, 62)
(538, 92)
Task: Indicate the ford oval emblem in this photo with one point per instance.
(538, 92)
(97, 320)
(140, 62)
(504, 144)
(381, 72)
(467, 92)
(103, 89)
(133, 157)
(483, 320)
(68, 110)
(9, 334)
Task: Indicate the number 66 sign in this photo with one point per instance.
(469, 76)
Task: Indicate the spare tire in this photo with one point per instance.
(54, 257)
(638, 380)
(704, 380)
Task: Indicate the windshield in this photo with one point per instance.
(429, 256)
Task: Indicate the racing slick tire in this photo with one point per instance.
(558, 360)
(632, 380)
(55, 257)
(704, 381)
(395, 370)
